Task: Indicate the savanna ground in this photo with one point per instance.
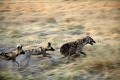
(36, 22)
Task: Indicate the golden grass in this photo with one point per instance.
(99, 19)
(14, 33)
(106, 64)
(9, 75)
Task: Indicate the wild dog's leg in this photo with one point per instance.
(44, 54)
(16, 62)
(28, 59)
(28, 56)
(48, 55)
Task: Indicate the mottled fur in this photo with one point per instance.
(39, 51)
(42, 50)
(75, 48)
(12, 55)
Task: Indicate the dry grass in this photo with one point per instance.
(104, 65)
(10, 75)
(34, 24)
(13, 33)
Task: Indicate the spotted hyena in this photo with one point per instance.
(75, 47)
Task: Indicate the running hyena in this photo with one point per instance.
(75, 47)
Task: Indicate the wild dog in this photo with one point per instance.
(43, 50)
(75, 48)
(12, 55)
(39, 51)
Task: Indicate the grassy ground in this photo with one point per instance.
(34, 23)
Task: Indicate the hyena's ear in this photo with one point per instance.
(83, 40)
(49, 44)
(88, 38)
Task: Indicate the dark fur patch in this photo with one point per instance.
(75, 47)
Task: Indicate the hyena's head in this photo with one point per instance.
(49, 47)
(89, 40)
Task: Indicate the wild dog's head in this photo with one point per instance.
(49, 47)
(19, 48)
(2, 53)
(89, 40)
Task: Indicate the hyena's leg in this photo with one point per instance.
(63, 57)
(69, 54)
(76, 55)
(84, 54)
(73, 57)
(78, 51)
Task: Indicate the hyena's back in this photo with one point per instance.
(67, 48)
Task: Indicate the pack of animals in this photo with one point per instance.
(70, 49)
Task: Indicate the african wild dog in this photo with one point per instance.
(75, 47)
(12, 55)
(39, 51)
(42, 50)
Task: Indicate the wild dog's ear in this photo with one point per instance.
(1, 53)
(40, 47)
(19, 46)
(49, 44)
